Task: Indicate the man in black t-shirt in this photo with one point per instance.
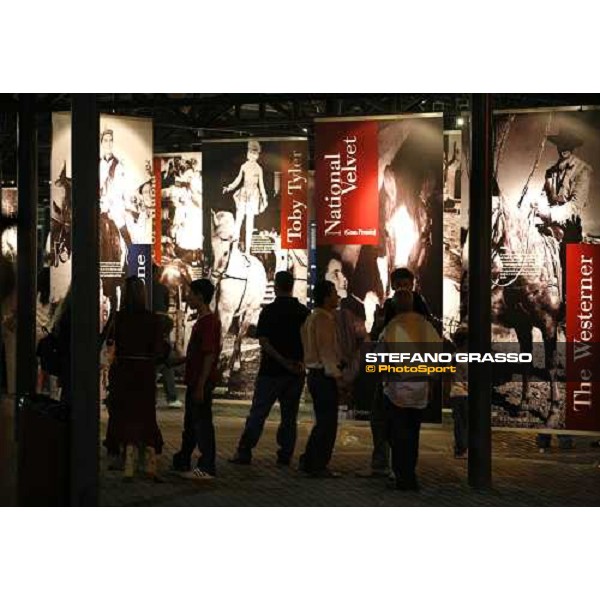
(281, 373)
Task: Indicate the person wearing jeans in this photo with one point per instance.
(322, 357)
(281, 373)
(201, 376)
(319, 448)
(198, 431)
(287, 389)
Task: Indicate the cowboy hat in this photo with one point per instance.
(565, 139)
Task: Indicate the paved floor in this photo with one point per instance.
(522, 477)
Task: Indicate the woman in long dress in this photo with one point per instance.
(138, 344)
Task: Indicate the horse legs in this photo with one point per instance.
(525, 337)
(235, 362)
(550, 336)
(226, 318)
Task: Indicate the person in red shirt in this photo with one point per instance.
(201, 375)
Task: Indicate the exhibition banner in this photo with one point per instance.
(255, 224)
(454, 206)
(125, 198)
(179, 237)
(545, 229)
(346, 192)
(157, 202)
(139, 264)
(583, 337)
(294, 195)
(397, 199)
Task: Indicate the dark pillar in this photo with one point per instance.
(85, 303)
(480, 217)
(26, 247)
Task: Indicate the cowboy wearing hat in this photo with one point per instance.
(566, 187)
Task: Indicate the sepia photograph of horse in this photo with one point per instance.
(182, 236)
(243, 248)
(545, 196)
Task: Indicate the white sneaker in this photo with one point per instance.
(175, 404)
(197, 475)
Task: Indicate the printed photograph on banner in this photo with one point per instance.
(453, 208)
(407, 200)
(126, 201)
(388, 176)
(8, 268)
(464, 216)
(178, 244)
(255, 224)
(545, 208)
(9, 203)
(57, 251)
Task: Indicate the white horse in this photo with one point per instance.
(240, 284)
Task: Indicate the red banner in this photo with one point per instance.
(346, 182)
(157, 223)
(294, 195)
(583, 337)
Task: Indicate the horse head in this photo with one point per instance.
(222, 236)
(408, 185)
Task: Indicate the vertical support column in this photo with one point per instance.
(85, 303)
(26, 247)
(480, 217)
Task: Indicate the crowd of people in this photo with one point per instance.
(298, 347)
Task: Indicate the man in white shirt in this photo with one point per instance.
(322, 358)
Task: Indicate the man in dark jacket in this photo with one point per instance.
(281, 372)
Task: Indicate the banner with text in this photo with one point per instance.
(583, 337)
(379, 196)
(255, 224)
(545, 256)
(346, 191)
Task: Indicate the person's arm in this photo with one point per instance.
(235, 182)
(326, 344)
(289, 365)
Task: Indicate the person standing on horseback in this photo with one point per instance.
(251, 197)
(566, 187)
